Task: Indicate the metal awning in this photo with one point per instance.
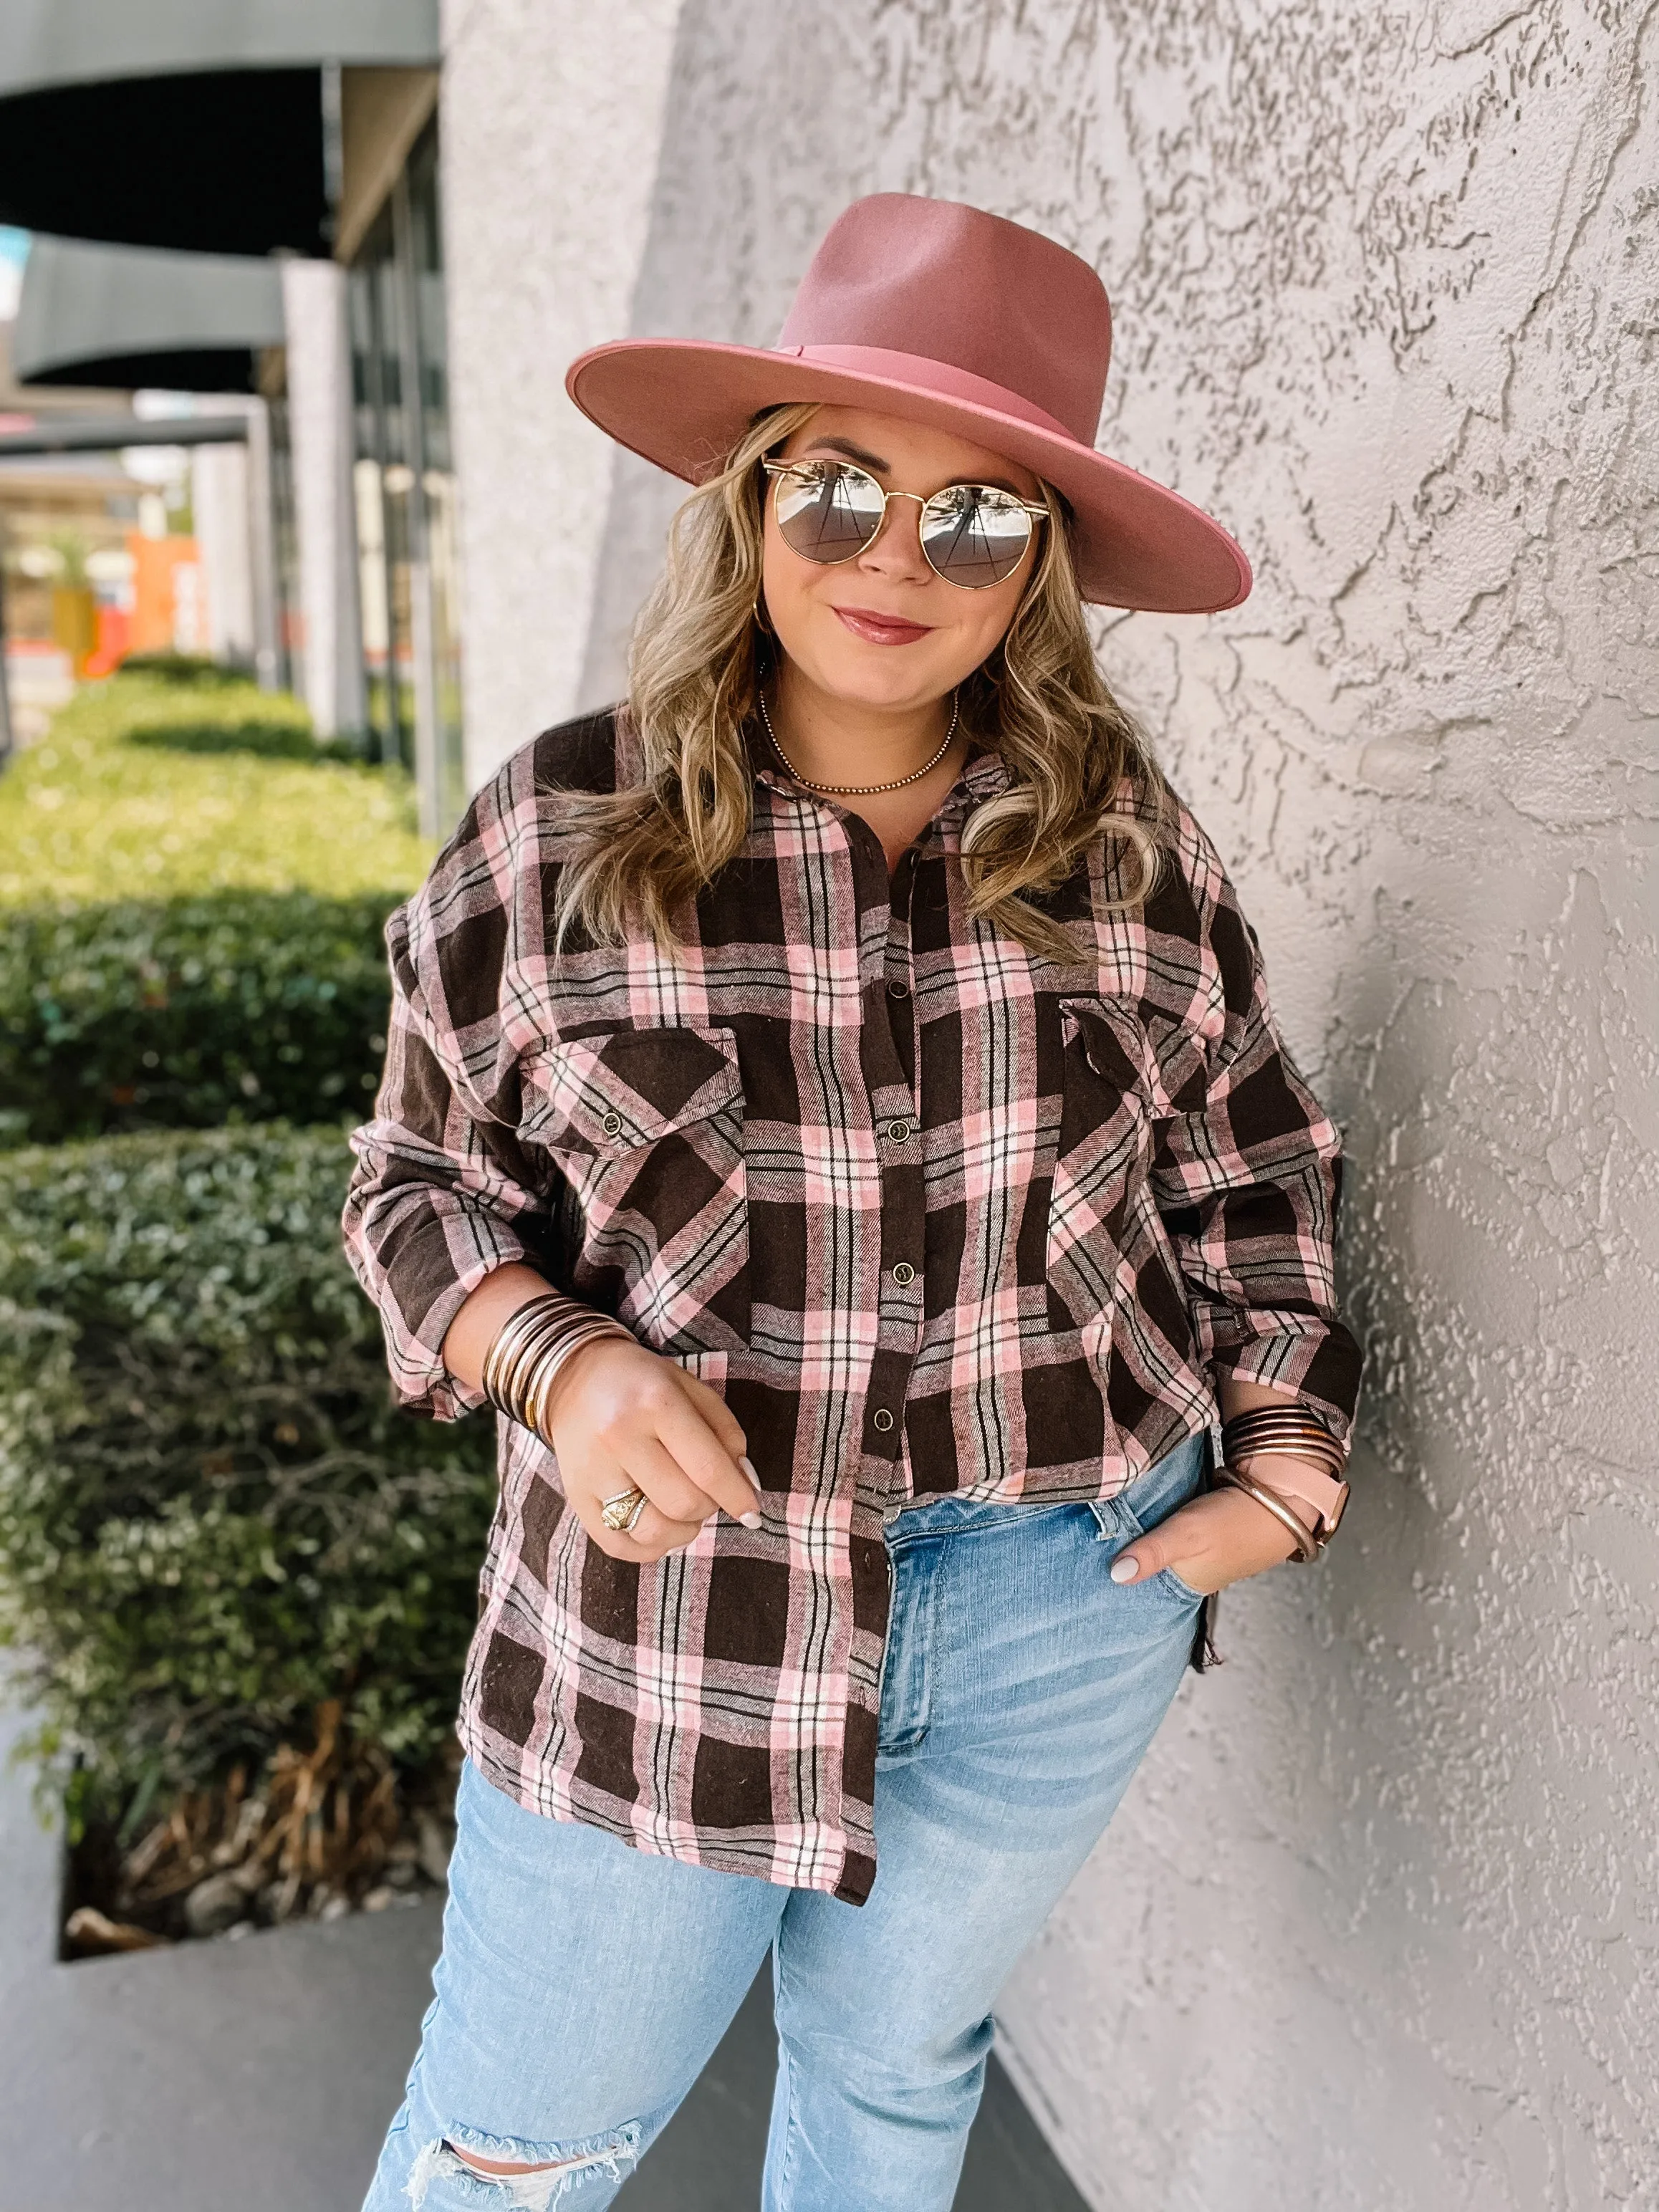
(118, 317)
(115, 433)
(206, 125)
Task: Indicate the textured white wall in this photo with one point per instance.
(551, 115)
(1375, 1929)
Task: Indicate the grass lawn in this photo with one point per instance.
(151, 785)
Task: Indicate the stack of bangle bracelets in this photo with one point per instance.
(530, 1348)
(1289, 1432)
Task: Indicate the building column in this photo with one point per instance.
(224, 531)
(324, 511)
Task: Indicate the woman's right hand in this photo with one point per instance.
(620, 1416)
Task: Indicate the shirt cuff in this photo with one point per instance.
(426, 1281)
(1315, 1361)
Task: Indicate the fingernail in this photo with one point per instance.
(748, 1467)
(749, 1520)
(1124, 1569)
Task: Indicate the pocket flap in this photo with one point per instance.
(1114, 1043)
(609, 1094)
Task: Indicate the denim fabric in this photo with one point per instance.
(583, 1984)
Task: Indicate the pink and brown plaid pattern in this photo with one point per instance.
(934, 1215)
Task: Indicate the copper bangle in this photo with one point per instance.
(531, 1347)
(1280, 1428)
(553, 1363)
(508, 1340)
(1308, 1543)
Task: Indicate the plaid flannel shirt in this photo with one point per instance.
(934, 1215)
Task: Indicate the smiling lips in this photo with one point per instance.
(881, 629)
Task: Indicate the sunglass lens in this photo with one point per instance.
(975, 535)
(827, 512)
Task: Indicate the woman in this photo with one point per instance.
(833, 1112)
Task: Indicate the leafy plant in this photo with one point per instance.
(212, 1517)
(234, 1006)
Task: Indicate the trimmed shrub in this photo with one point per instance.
(212, 1517)
(153, 785)
(242, 1006)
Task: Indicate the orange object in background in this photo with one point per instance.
(114, 641)
(160, 595)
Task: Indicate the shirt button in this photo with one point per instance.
(904, 1272)
(613, 1125)
(898, 1131)
(897, 990)
(882, 1419)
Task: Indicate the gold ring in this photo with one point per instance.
(622, 1510)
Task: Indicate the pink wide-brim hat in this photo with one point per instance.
(941, 314)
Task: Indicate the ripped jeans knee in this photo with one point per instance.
(478, 2169)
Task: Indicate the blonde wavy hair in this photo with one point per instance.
(698, 657)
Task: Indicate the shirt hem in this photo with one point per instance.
(851, 1882)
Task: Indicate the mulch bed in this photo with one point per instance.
(319, 1833)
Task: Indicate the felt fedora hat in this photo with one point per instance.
(941, 314)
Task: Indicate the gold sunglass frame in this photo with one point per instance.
(798, 470)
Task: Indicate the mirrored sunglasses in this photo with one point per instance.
(974, 535)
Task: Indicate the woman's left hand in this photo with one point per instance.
(1214, 1540)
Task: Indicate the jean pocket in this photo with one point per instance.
(1145, 1504)
(1179, 1587)
(1118, 1529)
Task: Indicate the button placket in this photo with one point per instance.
(898, 1134)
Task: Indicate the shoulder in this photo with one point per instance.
(584, 754)
(578, 757)
(516, 828)
(1192, 865)
(1194, 903)
(518, 813)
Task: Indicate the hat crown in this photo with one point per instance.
(952, 284)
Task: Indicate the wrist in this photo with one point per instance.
(575, 1364)
(1285, 1456)
(533, 1348)
(1290, 1480)
(1305, 1539)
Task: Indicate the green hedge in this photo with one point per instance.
(242, 1005)
(211, 1515)
(160, 785)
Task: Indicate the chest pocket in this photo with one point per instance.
(1101, 1162)
(646, 1128)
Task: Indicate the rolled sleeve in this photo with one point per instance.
(439, 1198)
(1247, 1176)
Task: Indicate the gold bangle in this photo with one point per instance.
(530, 1348)
(1308, 1543)
(497, 1378)
(553, 1363)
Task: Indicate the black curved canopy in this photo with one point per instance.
(119, 317)
(198, 124)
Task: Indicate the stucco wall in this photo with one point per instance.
(1374, 1929)
(550, 115)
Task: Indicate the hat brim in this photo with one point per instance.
(684, 402)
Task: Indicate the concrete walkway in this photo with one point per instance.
(261, 2074)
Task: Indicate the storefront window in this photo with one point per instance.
(405, 489)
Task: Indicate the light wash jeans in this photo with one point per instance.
(583, 1984)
